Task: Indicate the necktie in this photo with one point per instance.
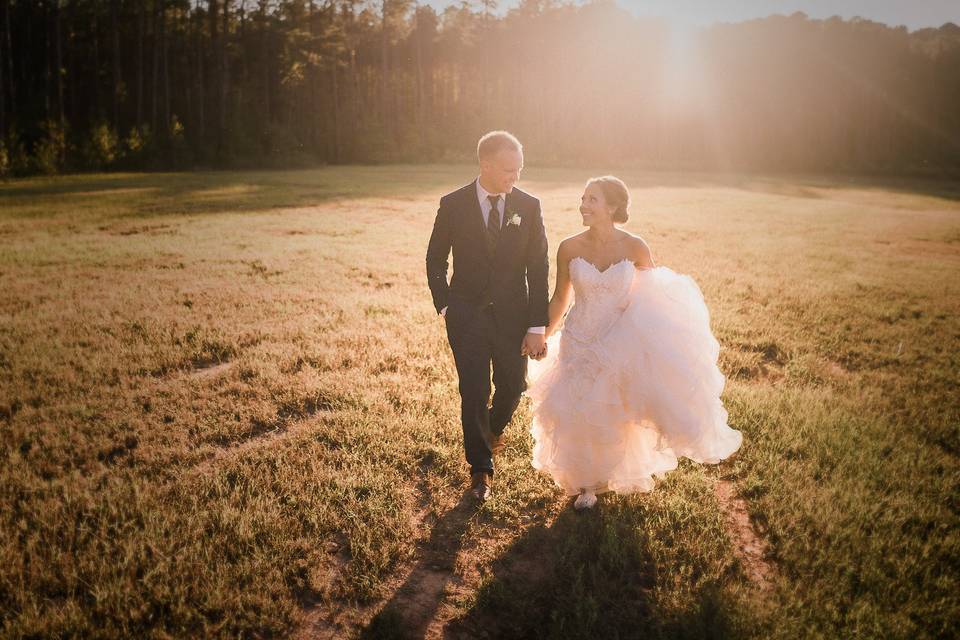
(493, 224)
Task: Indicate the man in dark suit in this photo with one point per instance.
(495, 304)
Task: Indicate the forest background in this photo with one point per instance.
(195, 84)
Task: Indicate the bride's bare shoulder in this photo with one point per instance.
(570, 246)
(639, 251)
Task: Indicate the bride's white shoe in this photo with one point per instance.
(585, 500)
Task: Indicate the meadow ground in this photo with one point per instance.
(228, 409)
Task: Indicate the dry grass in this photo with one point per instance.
(228, 408)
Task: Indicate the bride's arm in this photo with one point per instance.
(562, 291)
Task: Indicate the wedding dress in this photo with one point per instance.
(630, 384)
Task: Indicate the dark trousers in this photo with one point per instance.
(477, 340)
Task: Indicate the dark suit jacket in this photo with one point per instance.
(513, 279)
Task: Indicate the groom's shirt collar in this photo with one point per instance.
(483, 193)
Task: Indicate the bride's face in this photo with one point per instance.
(594, 208)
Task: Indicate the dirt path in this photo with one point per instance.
(750, 545)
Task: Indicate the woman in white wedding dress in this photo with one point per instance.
(631, 383)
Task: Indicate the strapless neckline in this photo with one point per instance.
(598, 269)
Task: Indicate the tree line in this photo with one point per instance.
(179, 84)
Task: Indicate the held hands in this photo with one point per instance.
(534, 345)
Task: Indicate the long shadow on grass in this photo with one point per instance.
(593, 575)
(212, 192)
(413, 606)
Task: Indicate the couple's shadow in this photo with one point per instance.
(414, 604)
(583, 575)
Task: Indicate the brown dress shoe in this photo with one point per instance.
(480, 485)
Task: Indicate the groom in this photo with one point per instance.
(495, 304)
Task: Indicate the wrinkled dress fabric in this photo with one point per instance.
(630, 384)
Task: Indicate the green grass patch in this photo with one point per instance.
(225, 399)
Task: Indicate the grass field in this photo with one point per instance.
(227, 409)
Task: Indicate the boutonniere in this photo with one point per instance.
(513, 218)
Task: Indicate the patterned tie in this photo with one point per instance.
(493, 224)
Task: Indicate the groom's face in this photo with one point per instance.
(501, 171)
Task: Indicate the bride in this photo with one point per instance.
(631, 383)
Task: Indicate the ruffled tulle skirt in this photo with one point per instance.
(614, 409)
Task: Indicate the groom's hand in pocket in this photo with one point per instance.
(534, 345)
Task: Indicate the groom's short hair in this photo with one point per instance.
(494, 141)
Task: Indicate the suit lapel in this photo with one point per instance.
(508, 232)
(475, 213)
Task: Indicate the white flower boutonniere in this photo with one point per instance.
(514, 218)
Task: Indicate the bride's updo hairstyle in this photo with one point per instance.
(616, 194)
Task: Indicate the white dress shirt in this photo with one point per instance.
(485, 207)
